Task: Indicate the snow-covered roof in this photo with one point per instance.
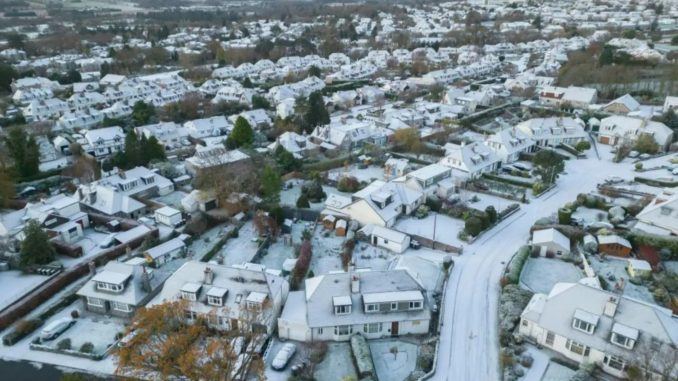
(550, 235)
(613, 239)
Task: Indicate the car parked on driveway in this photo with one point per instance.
(284, 356)
(56, 328)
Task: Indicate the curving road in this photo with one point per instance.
(469, 349)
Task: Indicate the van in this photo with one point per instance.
(56, 328)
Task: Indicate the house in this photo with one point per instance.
(432, 180)
(509, 143)
(203, 128)
(256, 118)
(622, 105)
(119, 289)
(551, 242)
(246, 297)
(206, 158)
(298, 145)
(588, 325)
(577, 97)
(470, 160)
(165, 252)
(638, 268)
(104, 141)
(138, 182)
(551, 132)
(375, 304)
(660, 216)
(168, 216)
(109, 201)
(350, 133)
(60, 216)
(394, 167)
(44, 109)
(616, 130)
(389, 239)
(169, 134)
(614, 245)
(670, 103)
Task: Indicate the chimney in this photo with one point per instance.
(92, 268)
(145, 280)
(355, 284)
(209, 276)
(92, 196)
(611, 306)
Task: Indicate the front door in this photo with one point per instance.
(394, 328)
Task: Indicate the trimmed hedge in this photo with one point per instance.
(217, 247)
(522, 184)
(517, 264)
(656, 183)
(21, 330)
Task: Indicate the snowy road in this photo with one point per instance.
(469, 349)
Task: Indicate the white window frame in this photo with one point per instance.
(627, 341)
(214, 300)
(416, 305)
(122, 307)
(95, 302)
(342, 310)
(371, 307)
(394, 306)
(185, 295)
(109, 286)
(373, 327)
(343, 330)
(583, 326)
(612, 361)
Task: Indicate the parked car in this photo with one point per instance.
(284, 356)
(108, 241)
(414, 244)
(56, 328)
(645, 156)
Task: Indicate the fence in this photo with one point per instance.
(301, 214)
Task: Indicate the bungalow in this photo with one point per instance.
(168, 216)
(207, 127)
(622, 105)
(246, 297)
(551, 242)
(120, 289)
(297, 145)
(588, 325)
(169, 134)
(375, 304)
(509, 143)
(614, 245)
(165, 252)
(207, 158)
(104, 141)
(470, 160)
(577, 97)
(616, 130)
(389, 239)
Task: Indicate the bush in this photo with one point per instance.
(517, 264)
(87, 347)
(473, 226)
(64, 344)
(302, 202)
(638, 167)
(434, 204)
(422, 211)
(537, 188)
(348, 184)
(491, 214)
(23, 328)
(75, 314)
(583, 146)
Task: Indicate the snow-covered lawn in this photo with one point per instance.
(484, 200)
(16, 284)
(557, 372)
(541, 274)
(338, 364)
(243, 248)
(613, 269)
(368, 174)
(393, 367)
(61, 162)
(172, 199)
(589, 216)
(375, 258)
(100, 330)
(205, 242)
(326, 252)
(540, 363)
(278, 251)
(288, 197)
(446, 228)
(90, 247)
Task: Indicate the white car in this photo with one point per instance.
(283, 357)
(56, 328)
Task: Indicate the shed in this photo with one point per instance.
(163, 253)
(551, 241)
(614, 245)
(329, 221)
(340, 230)
(387, 238)
(638, 268)
(168, 216)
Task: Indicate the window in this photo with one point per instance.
(415, 305)
(372, 328)
(342, 330)
(223, 321)
(342, 310)
(577, 348)
(550, 338)
(394, 306)
(615, 362)
(214, 300)
(95, 302)
(109, 286)
(190, 315)
(320, 331)
(622, 341)
(185, 295)
(582, 326)
(120, 306)
(524, 323)
(371, 308)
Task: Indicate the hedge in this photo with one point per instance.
(517, 264)
(656, 183)
(217, 247)
(515, 182)
(22, 330)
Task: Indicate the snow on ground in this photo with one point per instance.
(172, 199)
(277, 375)
(368, 174)
(557, 372)
(326, 252)
(338, 364)
(541, 274)
(589, 216)
(540, 363)
(468, 344)
(375, 258)
(658, 174)
(613, 269)
(484, 200)
(393, 367)
(100, 330)
(90, 247)
(203, 244)
(671, 266)
(16, 284)
(243, 248)
(278, 251)
(61, 162)
(446, 228)
(428, 271)
(288, 197)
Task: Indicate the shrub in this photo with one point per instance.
(422, 211)
(434, 204)
(348, 184)
(583, 146)
(638, 166)
(302, 202)
(64, 344)
(87, 347)
(491, 214)
(537, 188)
(517, 264)
(473, 226)
(75, 314)
(23, 328)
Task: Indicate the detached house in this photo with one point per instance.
(374, 304)
(246, 297)
(591, 326)
(615, 130)
(660, 216)
(470, 160)
(169, 134)
(298, 145)
(577, 97)
(104, 141)
(622, 105)
(121, 288)
(207, 127)
(551, 132)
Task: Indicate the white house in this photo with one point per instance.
(617, 129)
(577, 97)
(470, 160)
(168, 216)
(298, 145)
(138, 181)
(207, 127)
(660, 216)
(551, 241)
(105, 141)
(509, 143)
(387, 238)
(226, 295)
(670, 103)
(622, 105)
(552, 132)
(169, 134)
(108, 201)
(591, 326)
(395, 167)
(165, 252)
(375, 304)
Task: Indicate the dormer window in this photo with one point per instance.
(416, 305)
(190, 291)
(624, 336)
(109, 287)
(214, 300)
(584, 321)
(342, 305)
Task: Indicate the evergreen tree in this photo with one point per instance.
(314, 71)
(6, 188)
(7, 75)
(270, 183)
(24, 150)
(317, 114)
(286, 159)
(242, 134)
(606, 56)
(153, 150)
(142, 113)
(35, 248)
(132, 156)
(260, 102)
